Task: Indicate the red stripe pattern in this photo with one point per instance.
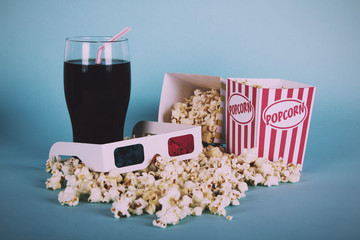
(228, 132)
(305, 126)
(234, 124)
(254, 99)
(239, 126)
(246, 126)
(261, 142)
(274, 131)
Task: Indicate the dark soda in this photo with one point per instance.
(97, 97)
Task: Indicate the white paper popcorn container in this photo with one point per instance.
(272, 115)
(177, 86)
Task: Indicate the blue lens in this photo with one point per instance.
(129, 155)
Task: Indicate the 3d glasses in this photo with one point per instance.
(151, 138)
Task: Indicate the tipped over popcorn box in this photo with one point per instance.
(272, 115)
(176, 87)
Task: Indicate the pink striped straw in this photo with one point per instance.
(117, 36)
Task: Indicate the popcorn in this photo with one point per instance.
(242, 186)
(249, 83)
(198, 196)
(147, 180)
(185, 201)
(114, 174)
(53, 164)
(256, 179)
(197, 211)
(83, 173)
(249, 156)
(202, 109)
(294, 177)
(265, 166)
(171, 215)
(168, 188)
(54, 182)
(271, 180)
(69, 197)
(235, 202)
(137, 206)
(112, 195)
(120, 208)
(159, 223)
(150, 208)
(95, 195)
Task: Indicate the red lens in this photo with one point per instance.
(181, 145)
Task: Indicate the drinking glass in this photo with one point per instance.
(97, 93)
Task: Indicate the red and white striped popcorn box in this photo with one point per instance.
(272, 115)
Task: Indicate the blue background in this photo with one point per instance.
(313, 42)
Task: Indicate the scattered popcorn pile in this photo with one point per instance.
(202, 109)
(169, 188)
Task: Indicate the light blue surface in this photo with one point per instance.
(313, 42)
